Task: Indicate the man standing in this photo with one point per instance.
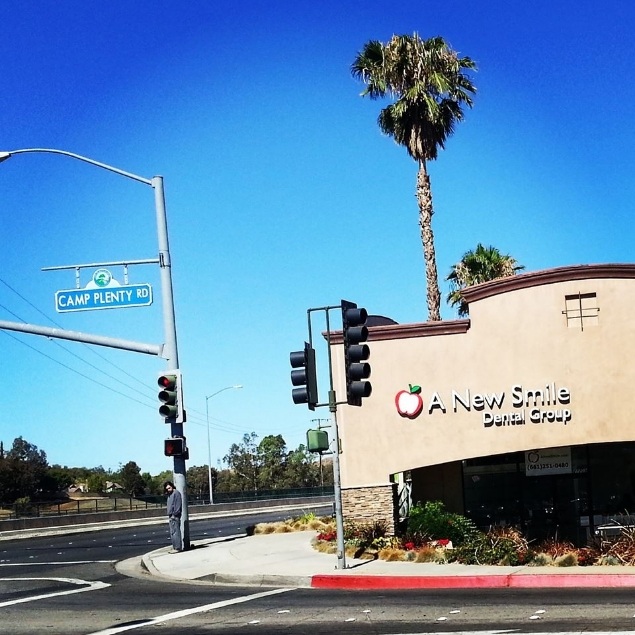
(174, 516)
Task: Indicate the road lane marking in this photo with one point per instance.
(40, 564)
(88, 586)
(185, 612)
(517, 630)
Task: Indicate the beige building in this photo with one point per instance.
(519, 415)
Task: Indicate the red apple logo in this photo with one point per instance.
(409, 403)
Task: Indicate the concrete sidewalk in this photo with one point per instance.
(290, 560)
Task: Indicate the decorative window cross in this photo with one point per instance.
(582, 309)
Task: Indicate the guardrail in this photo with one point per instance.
(95, 521)
(128, 504)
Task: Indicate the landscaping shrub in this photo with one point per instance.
(434, 522)
(302, 523)
(541, 560)
(365, 534)
(306, 518)
(623, 547)
(414, 540)
(431, 527)
(589, 555)
(555, 548)
(430, 554)
(391, 554)
(568, 560)
(329, 535)
(499, 546)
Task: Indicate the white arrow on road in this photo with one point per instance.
(86, 586)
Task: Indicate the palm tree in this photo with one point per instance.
(427, 80)
(481, 265)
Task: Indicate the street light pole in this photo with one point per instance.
(170, 349)
(209, 444)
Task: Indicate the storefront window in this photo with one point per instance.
(612, 468)
(544, 493)
(491, 490)
(586, 487)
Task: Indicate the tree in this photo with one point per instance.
(158, 481)
(479, 265)
(23, 471)
(96, 483)
(272, 452)
(243, 464)
(198, 481)
(302, 469)
(426, 77)
(131, 479)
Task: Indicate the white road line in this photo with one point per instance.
(488, 633)
(515, 631)
(88, 586)
(39, 564)
(185, 612)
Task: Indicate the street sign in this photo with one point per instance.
(114, 297)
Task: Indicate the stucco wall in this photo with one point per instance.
(518, 340)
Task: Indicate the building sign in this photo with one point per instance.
(520, 405)
(103, 292)
(548, 461)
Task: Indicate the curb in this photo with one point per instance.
(534, 581)
(258, 580)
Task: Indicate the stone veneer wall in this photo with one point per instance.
(371, 503)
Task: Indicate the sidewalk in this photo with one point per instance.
(290, 560)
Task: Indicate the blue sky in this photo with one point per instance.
(277, 180)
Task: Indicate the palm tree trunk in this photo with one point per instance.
(424, 199)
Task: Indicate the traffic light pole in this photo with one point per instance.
(357, 370)
(337, 486)
(170, 349)
(332, 404)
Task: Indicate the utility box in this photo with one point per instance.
(317, 441)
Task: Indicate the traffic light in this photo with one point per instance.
(304, 376)
(357, 370)
(171, 397)
(175, 447)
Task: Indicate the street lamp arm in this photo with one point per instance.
(6, 155)
(170, 350)
(209, 443)
(221, 390)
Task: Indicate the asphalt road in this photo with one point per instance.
(68, 585)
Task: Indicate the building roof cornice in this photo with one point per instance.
(547, 276)
(405, 331)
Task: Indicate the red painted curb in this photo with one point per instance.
(407, 582)
(582, 580)
(526, 581)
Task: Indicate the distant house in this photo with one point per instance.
(77, 487)
(113, 487)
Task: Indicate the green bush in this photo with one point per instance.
(433, 521)
(504, 546)
(365, 533)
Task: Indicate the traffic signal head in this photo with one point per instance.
(171, 397)
(356, 369)
(175, 447)
(304, 376)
